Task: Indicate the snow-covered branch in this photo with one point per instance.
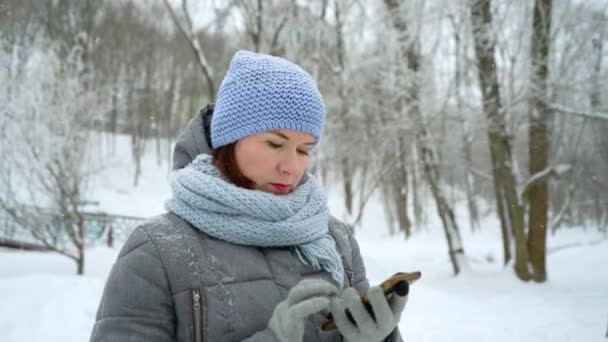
(573, 111)
(551, 171)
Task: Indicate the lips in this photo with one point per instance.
(281, 188)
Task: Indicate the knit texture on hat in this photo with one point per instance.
(261, 93)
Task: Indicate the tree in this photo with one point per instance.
(426, 149)
(460, 72)
(539, 137)
(510, 209)
(46, 150)
(186, 28)
(343, 111)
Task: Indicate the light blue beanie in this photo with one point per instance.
(261, 93)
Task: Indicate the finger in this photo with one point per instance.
(308, 288)
(397, 304)
(308, 307)
(384, 314)
(362, 317)
(402, 288)
(344, 325)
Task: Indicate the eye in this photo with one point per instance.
(304, 153)
(273, 145)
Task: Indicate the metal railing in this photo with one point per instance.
(98, 227)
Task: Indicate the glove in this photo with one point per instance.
(308, 297)
(368, 327)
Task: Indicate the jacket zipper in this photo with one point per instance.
(349, 276)
(196, 315)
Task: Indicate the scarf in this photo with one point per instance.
(209, 202)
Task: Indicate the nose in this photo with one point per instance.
(288, 164)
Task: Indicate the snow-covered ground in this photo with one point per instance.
(42, 299)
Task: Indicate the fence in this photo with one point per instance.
(98, 227)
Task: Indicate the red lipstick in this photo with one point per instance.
(282, 188)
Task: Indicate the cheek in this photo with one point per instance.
(303, 165)
(253, 162)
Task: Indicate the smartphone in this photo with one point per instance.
(398, 283)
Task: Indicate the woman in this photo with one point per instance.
(247, 250)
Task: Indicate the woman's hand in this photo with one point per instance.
(308, 297)
(367, 327)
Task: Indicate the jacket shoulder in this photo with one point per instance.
(178, 246)
(165, 228)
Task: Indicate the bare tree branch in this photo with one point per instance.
(194, 43)
(558, 108)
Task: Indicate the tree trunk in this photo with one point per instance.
(80, 261)
(416, 198)
(110, 235)
(136, 147)
(503, 215)
(599, 128)
(347, 167)
(539, 139)
(467, 135)
(509, 208)
(113, 124)
(173, 117)
(401, 190)
(168, 116)
(400, 201)
(137, 139)
(348, 186)
(452, 234)
(598, 209)
(426, 153)
(257, 38)
(388, 208)
(470, 183)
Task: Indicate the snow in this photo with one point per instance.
(113, 185)
(43, 299)
(491, 304)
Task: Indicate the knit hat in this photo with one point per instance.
(261, 93)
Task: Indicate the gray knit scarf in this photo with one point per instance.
(204, 198)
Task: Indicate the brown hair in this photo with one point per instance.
(224, 158)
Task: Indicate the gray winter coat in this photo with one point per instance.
(172, 282)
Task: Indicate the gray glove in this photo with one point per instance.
(308, 297)
(367, 329)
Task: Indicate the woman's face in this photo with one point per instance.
(274, 161)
